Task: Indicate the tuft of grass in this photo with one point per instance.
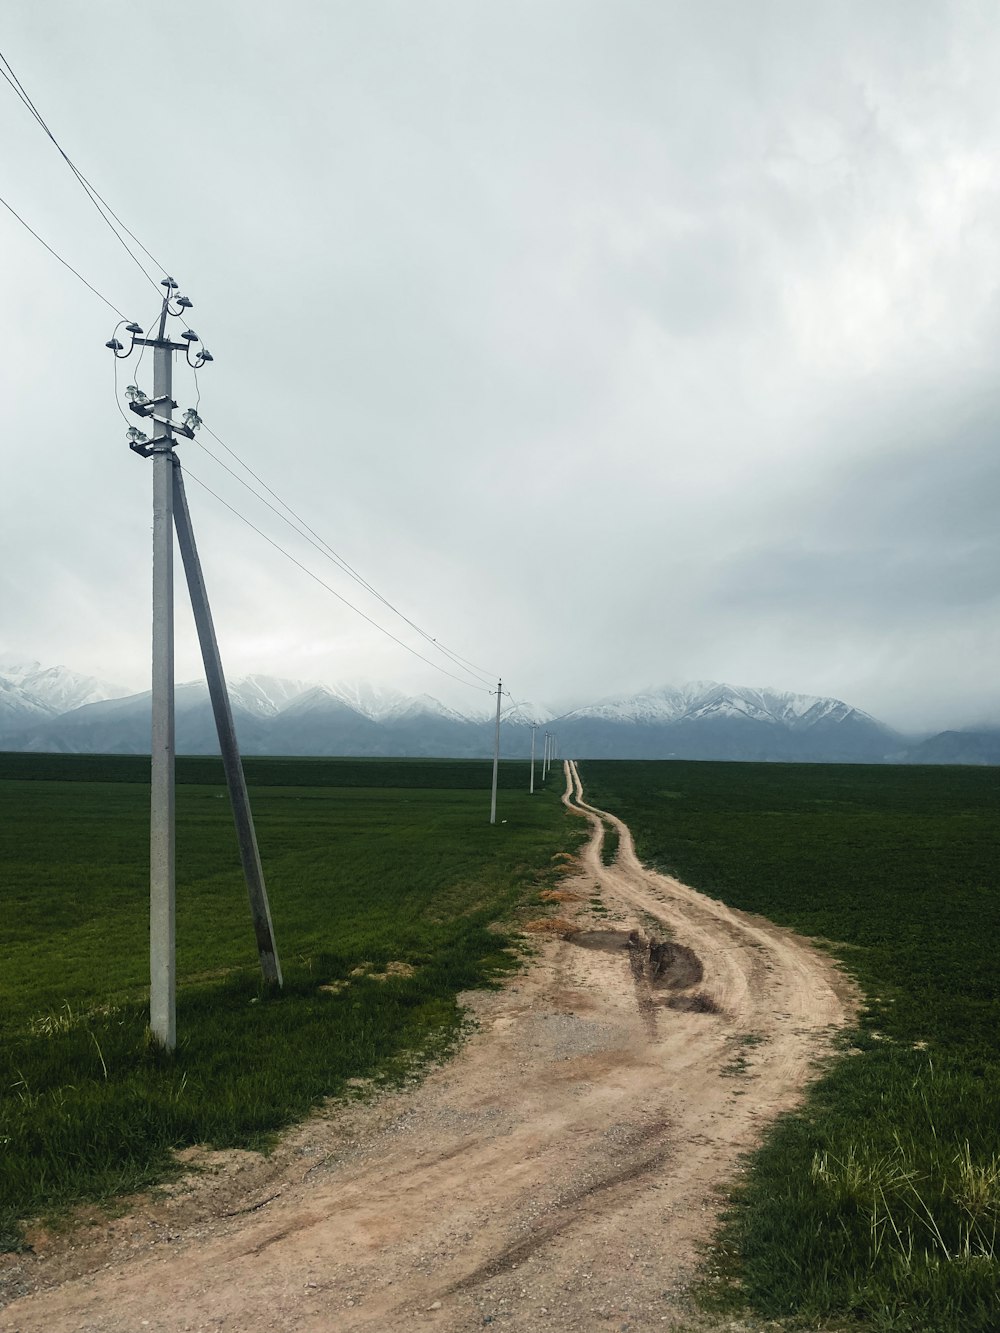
(739, 1061)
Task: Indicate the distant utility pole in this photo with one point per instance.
(170, 510)
(496, 756)
(531, 786)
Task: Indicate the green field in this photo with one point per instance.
(367, 862)
(881, 1198)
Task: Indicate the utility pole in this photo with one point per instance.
(162, 883)
(169, 511)
(496, 756)
(531, 786)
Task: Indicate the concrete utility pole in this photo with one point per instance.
(496, 756)
(531, 786)
(162, 886)
(170, 510)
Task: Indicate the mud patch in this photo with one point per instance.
(669, 966)
(698, 1003)
(605, 941)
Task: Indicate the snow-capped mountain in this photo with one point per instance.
(424, 705)
(55, 709)
(709, 700)
(273, 715)
(709, 720)
(16, 706)
(266, 695)
(370, 700)
(526, 714)
(29, 690)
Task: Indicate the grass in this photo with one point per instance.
(609, 843)
(739, 1060)
(880, 1199)
(367, 864)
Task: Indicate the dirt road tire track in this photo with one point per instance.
(559, 1174)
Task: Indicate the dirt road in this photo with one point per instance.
(559, 1174)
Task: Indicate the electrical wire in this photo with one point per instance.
(321, 547)
(308, 534)
(118, 401)
(65, 263)
(349, 569)
(7, 72)
(142, 353)
(323, 584)
(327, 550)
(514, 705)
(104, 209)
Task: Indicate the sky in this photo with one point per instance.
(616, 343)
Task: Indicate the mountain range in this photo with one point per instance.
(55, 709)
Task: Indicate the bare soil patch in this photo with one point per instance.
(608, 941)
(560, 1173)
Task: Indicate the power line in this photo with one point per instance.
(118, 402)
(103, 208)
(328, 553)
(65, 262)
(325, 549)
(515, 704)
(323, 584)
(309, 534)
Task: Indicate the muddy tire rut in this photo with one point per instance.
(560, 1173)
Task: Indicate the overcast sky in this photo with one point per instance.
(617, 344)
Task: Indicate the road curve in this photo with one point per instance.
(768, 983)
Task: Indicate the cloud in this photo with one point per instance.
(614, 345)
